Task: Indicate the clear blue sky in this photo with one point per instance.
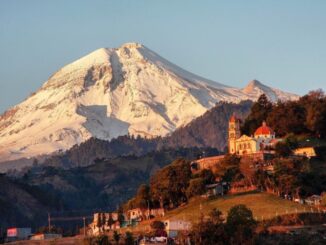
(281, 43)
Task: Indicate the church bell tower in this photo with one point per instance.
(234, 133)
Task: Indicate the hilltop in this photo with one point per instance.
(263, 205)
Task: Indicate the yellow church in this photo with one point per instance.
(263, 139)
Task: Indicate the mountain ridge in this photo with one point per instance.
(108, 93)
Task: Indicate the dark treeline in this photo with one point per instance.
(306, 116)
(171, 186)
(101, 186)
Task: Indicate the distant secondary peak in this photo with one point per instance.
(254, 83)
(131, 45)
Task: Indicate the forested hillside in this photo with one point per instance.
(23, 204)
(208, 130)
(103, 185)
(306, 116)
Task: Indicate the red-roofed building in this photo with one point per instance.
(264, 131)
(263, 139)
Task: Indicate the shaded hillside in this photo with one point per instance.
(208, 130)
(95, 149)
(22, 204)
(106, 183)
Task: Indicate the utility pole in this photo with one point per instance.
(84, 219)
(148, 209)
(49, 221)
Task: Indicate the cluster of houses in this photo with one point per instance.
(314, 200)
(111, 221)
(133, 217)
(259, 148)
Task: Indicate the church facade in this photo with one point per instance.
(262, 140)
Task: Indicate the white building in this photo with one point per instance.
(173, 227)
(95, 230)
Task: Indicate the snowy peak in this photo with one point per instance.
(255, 85)
(255, 88)
(112, 92)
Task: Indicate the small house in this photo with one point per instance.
(137, 214)
(313, 200)
(215, 189)
(45, 236)
(305, 151)
(14, 233)
(174, 227)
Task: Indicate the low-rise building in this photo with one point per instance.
(139, 214)
(15, 233)
(206, 163)
(216, 189)
(305, 151)
(313, 200)
(174, 227)
(45, 236)
(103, 218)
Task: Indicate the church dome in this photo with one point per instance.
(264, 130)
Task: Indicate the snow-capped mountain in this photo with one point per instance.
(112, 92)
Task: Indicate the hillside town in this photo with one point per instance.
(162, 122)
(259, 150)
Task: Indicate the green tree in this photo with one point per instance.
(196, 187)
(282, 149)
(240, 224)
(323, 198)
(116, 237)
(169, 184)
(211, 231)
(157, 225)
(99, 221)
(102, 240)
(129, 239)
(143, 197)
(258, 114)
(207, 176)
(110, 221)
(121, 217)
(216, 216)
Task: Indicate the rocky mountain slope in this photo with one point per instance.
(208, 130)
(113, 92)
